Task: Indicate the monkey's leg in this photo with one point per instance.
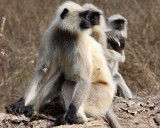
(42, 93)
(68, 90)
(112, 119)
(95, 104)
(98, 103)
(121, 86)
(19, 106)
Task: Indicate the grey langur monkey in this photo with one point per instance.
(98, 33)
(116, 32)
(70, 58)
(98, 28)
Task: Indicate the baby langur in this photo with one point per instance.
(70, 60)
(116, 34)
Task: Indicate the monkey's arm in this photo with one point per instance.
(113, 55)
(116, 44)
(73, 95)
(122, 88)
(76, 102)
(81, 86)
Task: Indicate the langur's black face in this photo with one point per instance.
(85, 21)
(76, 19)
(118, 24)
(94, 18)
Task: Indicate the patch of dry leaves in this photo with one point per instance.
(134, 113)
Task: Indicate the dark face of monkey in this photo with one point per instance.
(94, 18)
(85, 21)
(118, 24)
(83, 16)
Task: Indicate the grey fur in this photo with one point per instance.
(117, 36)
(68, 54)
(58, 54)
(63, 53)
(109, 55)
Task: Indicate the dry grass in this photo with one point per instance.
(27, 21)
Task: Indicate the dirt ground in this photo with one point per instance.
(134, 113)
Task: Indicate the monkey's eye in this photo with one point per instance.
(94, 18)
(84, 14)
(95, 15)
(119, 21)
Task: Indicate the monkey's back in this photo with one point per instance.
(103, 87)
(100, 70)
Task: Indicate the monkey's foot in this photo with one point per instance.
(68, 119)
(60, 120)
(19, 108)
(73, 119)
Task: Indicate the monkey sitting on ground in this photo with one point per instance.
(98, 28)
(116, 34)
(116, 28)
(98, 31)
(70, 59)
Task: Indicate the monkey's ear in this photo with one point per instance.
(64, 13)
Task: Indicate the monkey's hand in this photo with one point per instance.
(114, 44)
(122, 43)
(70, 117)
(19, 108)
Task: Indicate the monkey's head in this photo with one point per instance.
(72, 17)
(95, 16)
(118, 23)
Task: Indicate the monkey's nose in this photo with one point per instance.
(87, 18)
